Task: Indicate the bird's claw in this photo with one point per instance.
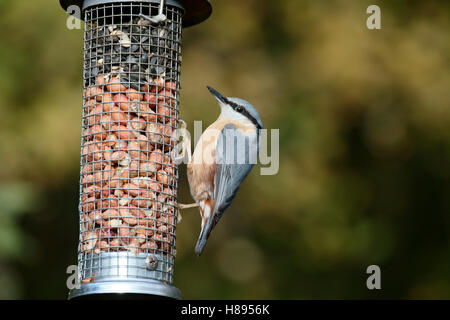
(183, 147)
(183, 124)
(182, 206)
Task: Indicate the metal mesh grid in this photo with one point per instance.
(128, 181)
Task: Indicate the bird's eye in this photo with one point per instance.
(239, 109)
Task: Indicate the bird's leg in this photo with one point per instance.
(185, 144)
(187, 206)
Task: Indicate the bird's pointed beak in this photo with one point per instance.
(217, 95)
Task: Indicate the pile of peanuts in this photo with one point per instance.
(128, 179)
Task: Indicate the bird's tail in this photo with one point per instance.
(206, 208)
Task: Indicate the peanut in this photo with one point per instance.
(114, 183)
(147, 194)
(107, 102)
(100, 245)
(134, 95)
(124, 231)
(149, 246)
(124, 173)
(170, 85)
(114, 244)
(93, 191)
(110, 213)
(95, 216)
(101, 80)
(149, 115)
(89, 168)
(95, 114)
(142, 203)
(157, 158)
(131, 189)
(118, 155)
(111, 140)
(97, 133)
(108, 203)
(90, 239)
(166, 131)
(147, 168)
(113, 223)
(118, 193)
(125, 133)
(94, 93)
(114, 85)
(151, 99)
(127, 217)
(122, 102)
(159, 85)
(145, 88)
(138, 124)
(89, 205)
(144, 231)
(134, 168)
(144, 143)
(133, 246)
(91, 103)
(121, 145)
(134, 150)
(141, 238)
(118, 115)
(165, 113)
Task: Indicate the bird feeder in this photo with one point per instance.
(128, 179)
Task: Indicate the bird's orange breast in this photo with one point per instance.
(201, 169)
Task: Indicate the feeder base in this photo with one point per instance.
(121, 289)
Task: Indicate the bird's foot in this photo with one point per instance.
(183, 124)
(187, 206)
(182, 206)
(181, 153)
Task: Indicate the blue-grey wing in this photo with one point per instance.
(235, 155)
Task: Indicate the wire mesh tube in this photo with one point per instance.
(128, 180)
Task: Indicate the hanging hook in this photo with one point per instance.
(161, 17)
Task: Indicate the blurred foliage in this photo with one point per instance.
(364, 120)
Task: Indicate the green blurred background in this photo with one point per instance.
(364, 119)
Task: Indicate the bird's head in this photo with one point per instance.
(238, 109)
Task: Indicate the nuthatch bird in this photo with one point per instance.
(223, 157)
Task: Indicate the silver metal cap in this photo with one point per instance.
(196, 11)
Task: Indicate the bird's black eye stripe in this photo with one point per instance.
(253, 120)
(242, 110)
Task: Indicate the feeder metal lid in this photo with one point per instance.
(196, 11)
